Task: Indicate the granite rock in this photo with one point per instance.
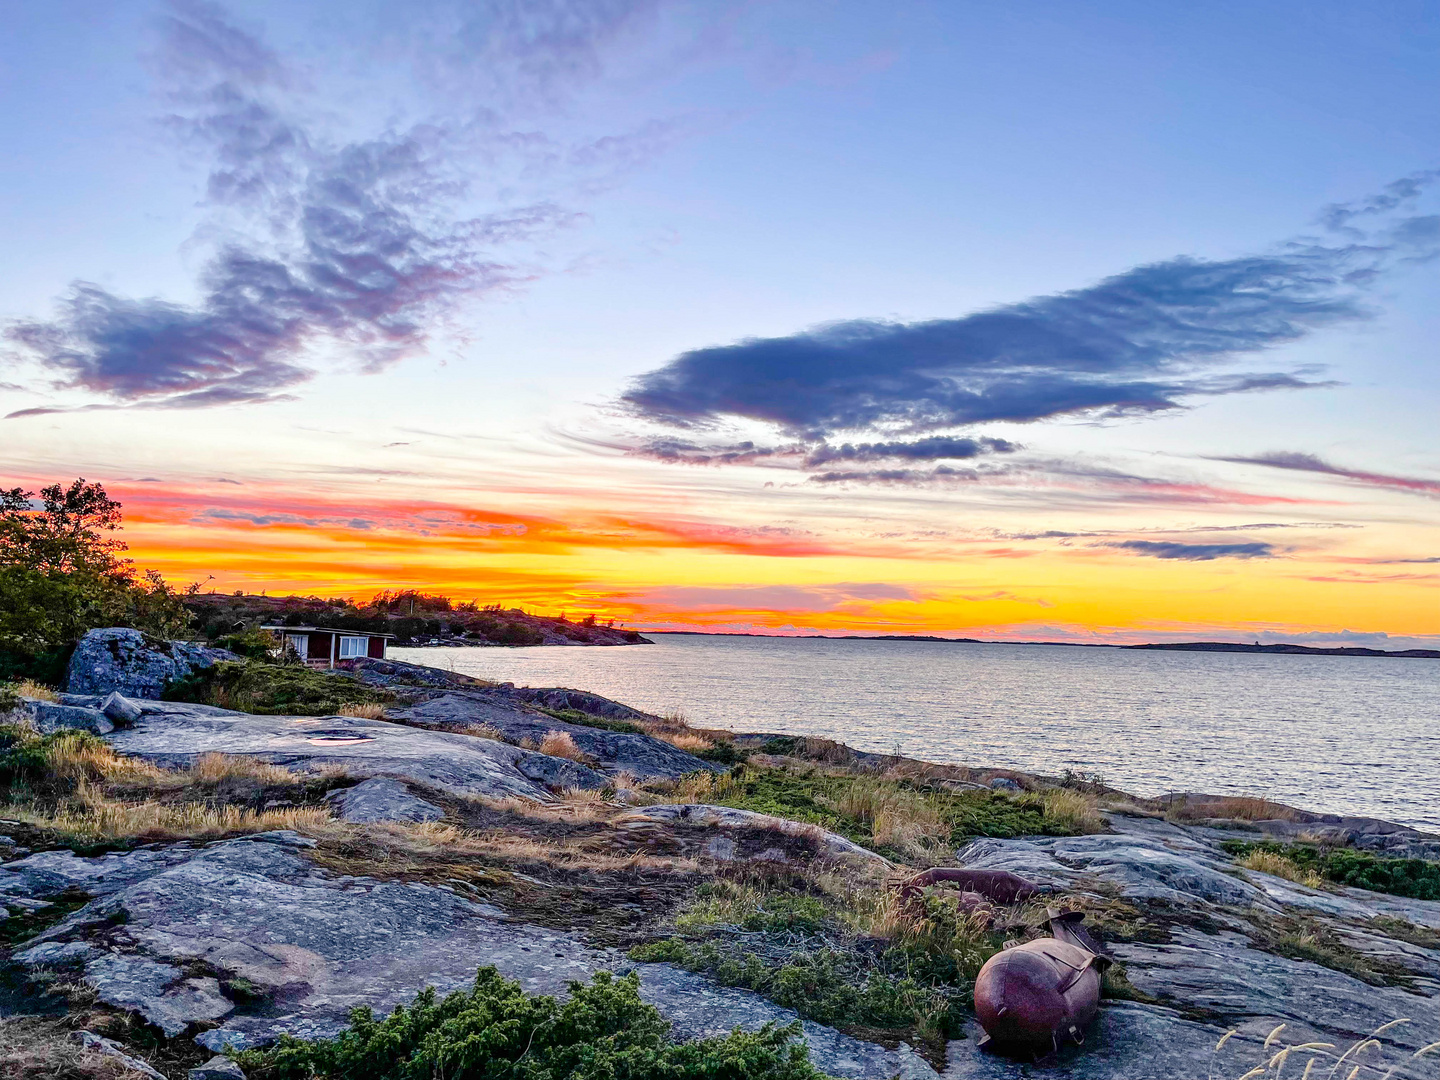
(218, 1067)
(134, 664)
(382, 799)
(318, 945)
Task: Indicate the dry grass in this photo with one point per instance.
(560, 744)
(687, 741)
(704, 787)
(1267, 862)
(1074, 810)
(901, 819)
(485, 731)
(1233, 808)
(81, 758)
(31, 689)
(93, 818)
(216, 768)
(32, 1048)
(365, 710)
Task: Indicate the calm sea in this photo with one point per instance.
(1352, 735)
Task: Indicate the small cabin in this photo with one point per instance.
(325, 646)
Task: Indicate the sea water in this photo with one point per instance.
(1346, 735)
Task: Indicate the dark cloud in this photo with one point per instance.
(941, 474)
(355, 245)
(1298, 462)
(1145, 341)
(935, 448)
(1165, 549)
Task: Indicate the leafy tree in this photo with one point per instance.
(61, 574)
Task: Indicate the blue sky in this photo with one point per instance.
(652, 180)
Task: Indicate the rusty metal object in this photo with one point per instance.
(1001, 886)
(1032, 998)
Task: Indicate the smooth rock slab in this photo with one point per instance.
(1143, 867)
(320, 945)
(1222, 973)
(382, 799)
(643, 756)
(175, 734)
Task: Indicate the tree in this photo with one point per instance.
(61, 574)
(65, 534)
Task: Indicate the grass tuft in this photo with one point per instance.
(365, 710)
(562, 745)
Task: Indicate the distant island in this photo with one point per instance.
(1165, 646)
(416, 619)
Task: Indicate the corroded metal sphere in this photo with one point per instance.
(1032, 998)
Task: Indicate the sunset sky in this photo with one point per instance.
(1065, 321)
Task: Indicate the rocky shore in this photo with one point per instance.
(553, 834)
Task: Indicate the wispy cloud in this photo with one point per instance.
(1150, 340)
(1169, 549)
(1298, 462)
(361, 245)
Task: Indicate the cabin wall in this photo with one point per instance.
(320, 646)
(377, 648)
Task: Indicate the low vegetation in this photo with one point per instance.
(603, 1031)
(74, 788)
(843, 953)
(897, 817)
(1416, 878)
(584, 719)
(255, 686)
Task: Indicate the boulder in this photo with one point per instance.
(120, 710)
(50, 717)
(382, 799)
(134, 664)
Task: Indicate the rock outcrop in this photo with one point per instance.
(312, 945)
(175, 734)
(134, 664)
(382, 799)
(642, 756)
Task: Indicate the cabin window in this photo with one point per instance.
(351, 647)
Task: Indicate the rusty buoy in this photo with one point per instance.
(1032, 998)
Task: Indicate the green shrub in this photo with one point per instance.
(1416, 878)
(254, 686)
(497, 1032)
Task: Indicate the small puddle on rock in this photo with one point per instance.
(337, 738)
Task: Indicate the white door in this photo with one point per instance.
(299, 644)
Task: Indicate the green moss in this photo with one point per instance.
(288, 689)
(1417, 878)
(495, 1031)
(24, 925)
(584, 719)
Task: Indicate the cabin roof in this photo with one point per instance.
(327, 630)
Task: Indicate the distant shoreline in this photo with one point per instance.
(1176, 646)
